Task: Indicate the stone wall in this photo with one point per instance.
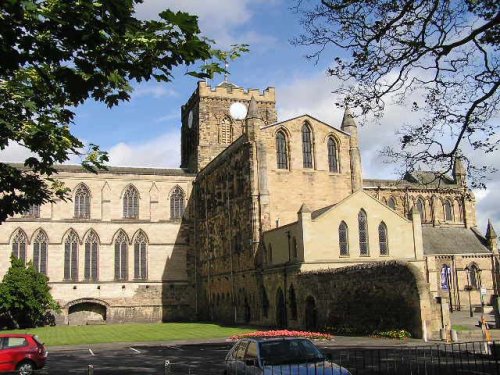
(364, 298)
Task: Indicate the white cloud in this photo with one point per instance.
(217, 19)
(15, 153)
(160, 152)
(155, 90)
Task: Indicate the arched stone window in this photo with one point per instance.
(19, 245)
(225, 131)
(382, 239)
(71, 256)
(131, 203)
(140, 257)
(82, 202)
(295, 253)
(474, 281)
(343, 239)
(281, 151)
(333, 164)
(392, 203)
(421, 209)
(293, 303)
(91, 257)
(264, 302)
(40, 248)
(448, 210)
(177, 203)
(121, 256)
(363, 233)
(307, 155)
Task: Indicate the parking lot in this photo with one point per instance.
(186, 359)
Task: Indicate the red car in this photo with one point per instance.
(21, 353)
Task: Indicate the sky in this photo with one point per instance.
(146, 130)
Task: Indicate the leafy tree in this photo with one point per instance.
(443, 55)
(54, 55)
(25, 297)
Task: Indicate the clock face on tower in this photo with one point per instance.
(190, 119)
(238, 111)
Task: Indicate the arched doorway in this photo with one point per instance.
(311, 314)
(280, 309)
(82, 312)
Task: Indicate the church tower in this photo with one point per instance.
(214, 117)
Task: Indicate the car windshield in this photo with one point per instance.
(289, 351)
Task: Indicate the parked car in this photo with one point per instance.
(287, 356)
(21, 353)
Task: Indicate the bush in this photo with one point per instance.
(285, 333)
(25, 296)
(400, 334)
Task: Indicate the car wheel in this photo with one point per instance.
(25, 368)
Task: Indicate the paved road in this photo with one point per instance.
(187, 359)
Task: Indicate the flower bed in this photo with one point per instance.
(285, 333)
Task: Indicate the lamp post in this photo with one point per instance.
(468, 288)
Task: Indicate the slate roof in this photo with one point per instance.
(119, 170)
(417, 179)
(450, 240)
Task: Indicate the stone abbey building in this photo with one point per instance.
(268, 222)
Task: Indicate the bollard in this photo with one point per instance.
(167, 367)
(90, 370)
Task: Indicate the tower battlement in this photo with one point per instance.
(234, 92)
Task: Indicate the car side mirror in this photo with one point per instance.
(251, 362)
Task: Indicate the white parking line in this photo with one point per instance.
(135, 350)
(91, 352)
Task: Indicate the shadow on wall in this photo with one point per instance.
(361, 299)
(178, 287)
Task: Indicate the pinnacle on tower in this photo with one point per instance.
(348, 120)
(490, 231)
(252, 109)
(304, 209)
(459, 173)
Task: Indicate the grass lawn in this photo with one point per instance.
(458, 328)
(92, 334)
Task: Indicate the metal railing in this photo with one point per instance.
(439, 359)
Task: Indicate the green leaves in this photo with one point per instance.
(25, 295)
(56, 54)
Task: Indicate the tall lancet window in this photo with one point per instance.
(140, 257)
(421, 209)
(225, 131)
(40, 245)
(333, 164)
(281, 151)
(177, 203)
(363, 233)
(343, 239)
(71, 257)
(448, 211)
(82, 202)
(19, 245)
(392, 203)
(307, 147)
(131, 203)
(382, 239)
(121, 256)
(91, 257)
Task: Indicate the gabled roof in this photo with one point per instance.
(319, 212)
(306, 116)
(453, 240)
